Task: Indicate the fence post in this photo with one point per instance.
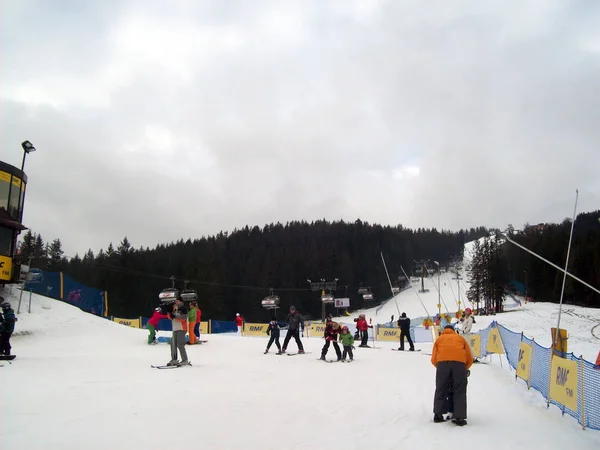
(209, 326)
(521, 340)
(531, 364)
(550, 376)
(581, 391)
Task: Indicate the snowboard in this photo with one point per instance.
(171, 367)
(7, 357)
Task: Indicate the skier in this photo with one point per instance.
(467, 323)
(363, 327)
(404, 325)
(451, 357)
(152, 325)
(296, 323)
(179, 321)
(332, 329)
(198, 321)
(273, 330)
(347, 341)
(192, 315)
(239, 321)
(7, 327)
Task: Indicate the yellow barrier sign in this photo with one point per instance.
(255, 329)
(316, 329)
(494, 343)
(203, 327)
(524, 361)
(564, 380)
(133, 323)
(388, 334)
(5, 268)
(475, 345)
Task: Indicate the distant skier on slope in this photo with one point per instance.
(179, 322)
(152, 325)
(404, 325)
(332, 330)
(296, 323)
(7, 327)
(274, 331)
(239, 321)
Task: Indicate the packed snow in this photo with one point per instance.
(80, 381)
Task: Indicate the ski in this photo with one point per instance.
(407, 351)
(176, 366)
(294, 354)
(7, 357)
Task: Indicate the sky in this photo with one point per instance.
(167, 120)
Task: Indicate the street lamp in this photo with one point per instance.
(439, 289)
(27, 148)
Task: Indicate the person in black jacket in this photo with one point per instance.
(404, 324)
(296, 323)
(332, 330)
(274, 330)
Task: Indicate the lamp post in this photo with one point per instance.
(27, 148)
(439, 289)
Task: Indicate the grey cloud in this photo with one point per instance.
(304, 110)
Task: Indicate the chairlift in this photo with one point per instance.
(168, 295)
(327, 298)
(368, 296)
(363, 291)
(270, 302)
(395, 290)
(189, 295)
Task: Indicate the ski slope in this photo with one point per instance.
(83, 382)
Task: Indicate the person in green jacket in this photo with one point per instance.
(193, 312)
(347, 341)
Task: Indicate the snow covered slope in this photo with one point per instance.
(80, 381)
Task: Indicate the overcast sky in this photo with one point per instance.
(191, 117)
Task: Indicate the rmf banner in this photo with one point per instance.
(133, 323)
(255, 329)
(494, 342)
(388, 334)
(316, 330)
(564, 381)
(524, 362)
(475, 344)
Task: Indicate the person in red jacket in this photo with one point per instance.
(239, 321)
(152, 325)
(198, 320)
(332, 330)
(363, 327)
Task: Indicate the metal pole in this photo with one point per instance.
(439, 290)
(562, 292)
(29, 311)
(525, 286)
(20, 296)
(390, 281)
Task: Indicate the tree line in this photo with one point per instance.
(233, 272)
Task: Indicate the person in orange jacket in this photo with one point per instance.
(451, 355)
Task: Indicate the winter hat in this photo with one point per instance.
(292, 308)
(449, 327)
(237, 314)
(345, 327)
(403, 314)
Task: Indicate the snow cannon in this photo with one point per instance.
(189, 295)
(270, 302)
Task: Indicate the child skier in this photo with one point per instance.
(274, 330)
(152, 325)
(347, 341)
(332, 329)
(8, 326)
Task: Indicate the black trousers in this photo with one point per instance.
(296, 335)
(347, 352)
(364, 337)
(336, 347)
(456, 373)
(5, 343)
(276, 340)
(404, 334)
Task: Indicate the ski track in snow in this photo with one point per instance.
(84, 382)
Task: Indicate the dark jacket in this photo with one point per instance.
(8, 324)
(273, 329)
(331, 333)
(296, 321)
(404, 324)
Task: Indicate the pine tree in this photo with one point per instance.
(27, 245)
(475, 276)
(55, 254)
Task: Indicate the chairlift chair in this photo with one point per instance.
(189, 295)
(363, 291)
(168, 295)
(395, 290)
(327, 298)
(270, 302)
